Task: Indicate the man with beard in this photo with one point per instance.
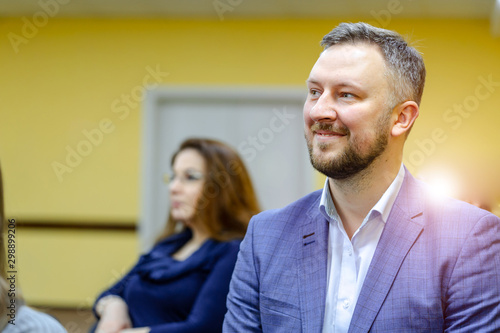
(372, 251)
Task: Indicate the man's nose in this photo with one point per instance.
(324, 109)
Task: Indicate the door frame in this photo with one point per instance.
(154, 97)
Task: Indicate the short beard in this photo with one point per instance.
(350, 161)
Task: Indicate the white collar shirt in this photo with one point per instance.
(349, 259)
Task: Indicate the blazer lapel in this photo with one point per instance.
(313, 240)
(402, 229)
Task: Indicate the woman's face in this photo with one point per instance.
(186, 185)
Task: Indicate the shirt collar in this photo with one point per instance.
(326, 205)
(383, 206)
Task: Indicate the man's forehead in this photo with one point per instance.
(347, 55)
(352, 50)
(355, 44)
(358, 66)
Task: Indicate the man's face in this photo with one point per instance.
(347, 120)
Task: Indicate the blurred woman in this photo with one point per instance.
(182, 283)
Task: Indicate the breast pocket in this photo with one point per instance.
(279, 316)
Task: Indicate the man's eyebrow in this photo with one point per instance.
(311, 80)
(348, 84)
(339, 84)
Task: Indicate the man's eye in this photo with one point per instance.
(346, 95)
(314, 93)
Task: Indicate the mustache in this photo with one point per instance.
(330, 128)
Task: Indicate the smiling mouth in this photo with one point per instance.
(328, 134)
(323, 130)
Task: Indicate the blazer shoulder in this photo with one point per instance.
(294, 212)
(447, 211)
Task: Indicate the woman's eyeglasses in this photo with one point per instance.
(189, 176)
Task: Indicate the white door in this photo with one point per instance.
(264, 125)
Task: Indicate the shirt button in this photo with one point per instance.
(346, 304)
(349, 251)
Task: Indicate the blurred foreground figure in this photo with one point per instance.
(15, 315)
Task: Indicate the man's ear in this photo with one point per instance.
(406, 114)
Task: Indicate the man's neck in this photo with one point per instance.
(355, 196)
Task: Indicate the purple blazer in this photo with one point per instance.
(436, 268)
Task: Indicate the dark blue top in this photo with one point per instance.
(179, 296)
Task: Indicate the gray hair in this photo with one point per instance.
(405, 66)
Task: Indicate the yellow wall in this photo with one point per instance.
(70, 75)
(64, 268)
